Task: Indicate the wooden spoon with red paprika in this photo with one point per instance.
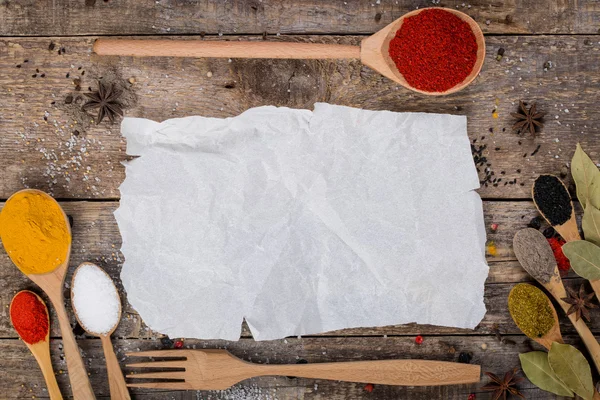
(374, 51)
(29, 316)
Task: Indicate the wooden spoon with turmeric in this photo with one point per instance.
(36, 234)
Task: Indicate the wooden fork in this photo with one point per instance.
(219, 370)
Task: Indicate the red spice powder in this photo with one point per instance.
(434, 50)
(561, 260)
(29, 317)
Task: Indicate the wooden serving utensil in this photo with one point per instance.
(116, 381)
(553, 335)
(219, 370)
(567, 228)
(535, 255)
(372, 52)
(52, 284)
(41, 352)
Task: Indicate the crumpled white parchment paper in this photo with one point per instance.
(301, 222)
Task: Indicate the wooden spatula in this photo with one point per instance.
(372, 52)
(219, 370)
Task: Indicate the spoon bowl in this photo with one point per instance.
(372, 52)
(553, 335)
(116, 381)
(41, 352)
(52, 284)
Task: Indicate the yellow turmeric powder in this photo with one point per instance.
(34, 232)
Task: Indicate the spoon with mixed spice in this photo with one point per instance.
(534, 314)
(97, 307)
(433, 51)
(536, 257)
(29, 316)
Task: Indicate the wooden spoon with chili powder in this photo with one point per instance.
(372, 52)
(39, 347)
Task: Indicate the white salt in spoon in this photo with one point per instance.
(92, 310)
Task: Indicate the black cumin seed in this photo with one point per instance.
(536, 150)
(553, 199)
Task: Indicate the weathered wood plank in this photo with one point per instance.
(95, 17)
(47, 155)
(96, 238)
(21, 378)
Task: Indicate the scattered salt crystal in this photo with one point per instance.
(95, 299)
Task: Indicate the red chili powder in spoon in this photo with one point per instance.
(29, 317)
(434, 50)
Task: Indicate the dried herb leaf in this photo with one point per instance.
(572, 368)
(584, 257)
(537, 369)
(586, 176)
(591, 224)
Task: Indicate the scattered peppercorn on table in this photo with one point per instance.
(546, 55)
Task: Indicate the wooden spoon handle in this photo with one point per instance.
(42, 355)
(116, 381)
(223, 49)
(80, 384)
(384, 372)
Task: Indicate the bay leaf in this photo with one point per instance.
(586, 176)
(537, 369)
(571, 367)
(584, 257)
(591, 224)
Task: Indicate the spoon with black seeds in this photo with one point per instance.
(553, 201)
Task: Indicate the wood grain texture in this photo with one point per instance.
(22, 379)
(97, 17)
(96, 238)
(38, 147)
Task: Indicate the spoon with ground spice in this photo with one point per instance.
(534, 314)
(536, 257)
(97, 307)
(35, 233)
(29, 316)
(433, 51)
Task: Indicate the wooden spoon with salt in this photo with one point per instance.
(116, 381)
(553, 335)
(372, 52)
(535, 255)
(41, 352)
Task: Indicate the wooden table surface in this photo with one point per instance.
(552, 56)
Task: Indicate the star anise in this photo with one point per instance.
(502, 387)
(580, 303)
(105, 100)
(527, 119)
